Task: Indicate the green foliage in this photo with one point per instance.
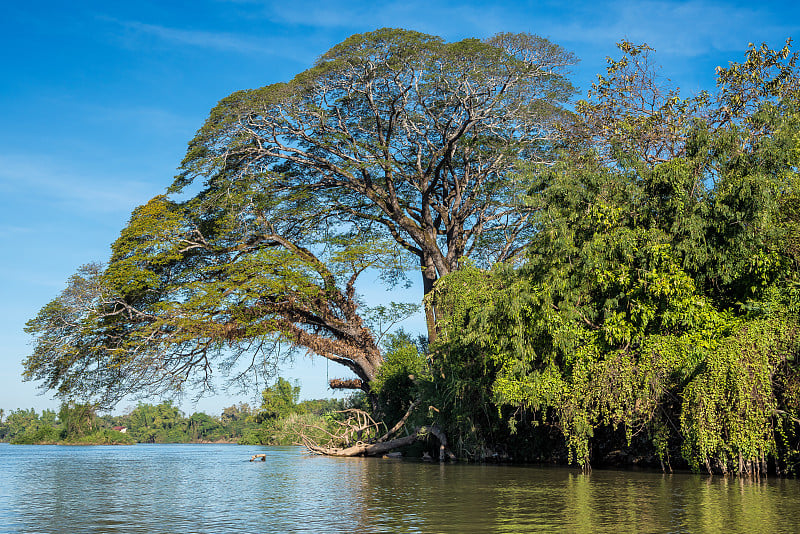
(163, 423)
(658, 304)
(37, 436)
(236, 419)
(286, 430)
(279, 400)
(281, 419)
(76, 419)
(21, 421)
(202, 427)
(322, 406)
(728, 414)
(399, 381)
(77, 424)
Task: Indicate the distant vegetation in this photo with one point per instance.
(275, 422)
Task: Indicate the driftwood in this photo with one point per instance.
(377, 449)
(358, 437)
(396, 428)
(362, 449)
(262, 457)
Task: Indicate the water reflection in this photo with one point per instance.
(213, 488)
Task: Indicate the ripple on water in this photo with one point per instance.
(215, 489)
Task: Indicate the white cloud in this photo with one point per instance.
(453, 18)
(237, 43)
(156, 121)
(14, 231)
(677, 28)
(38, 180)
(684, 27)
(680, 28)
(220, 41)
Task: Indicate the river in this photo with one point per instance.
(215, 489)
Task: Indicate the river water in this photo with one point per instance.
(215, 489)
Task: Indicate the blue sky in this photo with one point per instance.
(98, 101)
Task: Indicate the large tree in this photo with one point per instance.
(401, 133)
(395, 152)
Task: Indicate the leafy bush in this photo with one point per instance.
(399, 378)
(39, 436)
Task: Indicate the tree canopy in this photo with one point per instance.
(394, 153)
(398, 134)
(659, 304)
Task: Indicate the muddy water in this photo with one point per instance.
(215, 489)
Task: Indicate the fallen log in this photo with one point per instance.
(363, 449)
(379, 448)
(368, 442)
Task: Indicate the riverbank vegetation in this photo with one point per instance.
(656, 313)
(280, 420)
(613, 280)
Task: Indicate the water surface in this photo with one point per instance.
(215, 489)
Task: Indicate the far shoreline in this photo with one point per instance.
(95, 443)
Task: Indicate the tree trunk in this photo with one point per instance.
(428, 280)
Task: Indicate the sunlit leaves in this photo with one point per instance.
(654, 300)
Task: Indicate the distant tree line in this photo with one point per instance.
(271, 423)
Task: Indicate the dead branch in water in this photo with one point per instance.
(396, 428)
(358, 427)
(359, 436)
(376, 449)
